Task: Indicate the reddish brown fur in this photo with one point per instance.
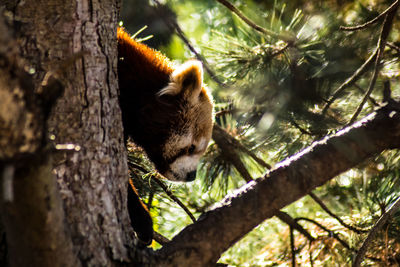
(166, 111)
(145, 62)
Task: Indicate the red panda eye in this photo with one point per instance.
(191, 149)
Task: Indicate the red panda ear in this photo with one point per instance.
(187, 79)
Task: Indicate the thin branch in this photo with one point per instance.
(297, 126)
(360, 71)
(248, 21)
(329, 232)
(160, 239)
(174, 198)
(157, 179)
(292, 247)
(387, 25)
(286, 218)
(226, 140)
(365, 25)
(280, 51)
(327, 210)
(226, 144)
(393, 46)
(353, 78)
(371, 99)
(378, 225)
(175, 27)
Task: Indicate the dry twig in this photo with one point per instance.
(387, 25)
(378, 225)
(326, 209)
(365, 25)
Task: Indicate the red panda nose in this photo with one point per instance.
(191, 176)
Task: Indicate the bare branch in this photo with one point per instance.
(327, 210)
(160, 239)
(387, 25)
(292, 247)
(371, 99)
(365, 25)
(363, 68)
(353, 78)
(329, 232)
(378, 225)
(226, 143)
(286, 218)
(393, 46)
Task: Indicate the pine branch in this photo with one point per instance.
(364, 67)
(157, 179)
(352, 79)
(249, 21)
(387, 25)
(295, 177)
(174, 198)
(224, 139)
(176, 28)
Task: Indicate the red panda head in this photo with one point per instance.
(165, 109)
(189, 137)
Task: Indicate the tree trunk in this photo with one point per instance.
(76, 41)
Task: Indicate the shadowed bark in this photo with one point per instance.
(31, 208)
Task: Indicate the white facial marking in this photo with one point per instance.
(202, 144)
(182, 166)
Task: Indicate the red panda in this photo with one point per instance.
(165, 109)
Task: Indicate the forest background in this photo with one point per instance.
(285, 74)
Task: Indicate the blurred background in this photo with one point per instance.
(286, 78)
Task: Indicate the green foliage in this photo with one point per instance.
(277, 87)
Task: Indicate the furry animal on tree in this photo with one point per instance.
(166, 110)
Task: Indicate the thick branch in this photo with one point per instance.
(202, 243)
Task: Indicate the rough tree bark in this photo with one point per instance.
(29, 194)
(77, 39)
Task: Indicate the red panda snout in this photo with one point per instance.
(183, 169)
